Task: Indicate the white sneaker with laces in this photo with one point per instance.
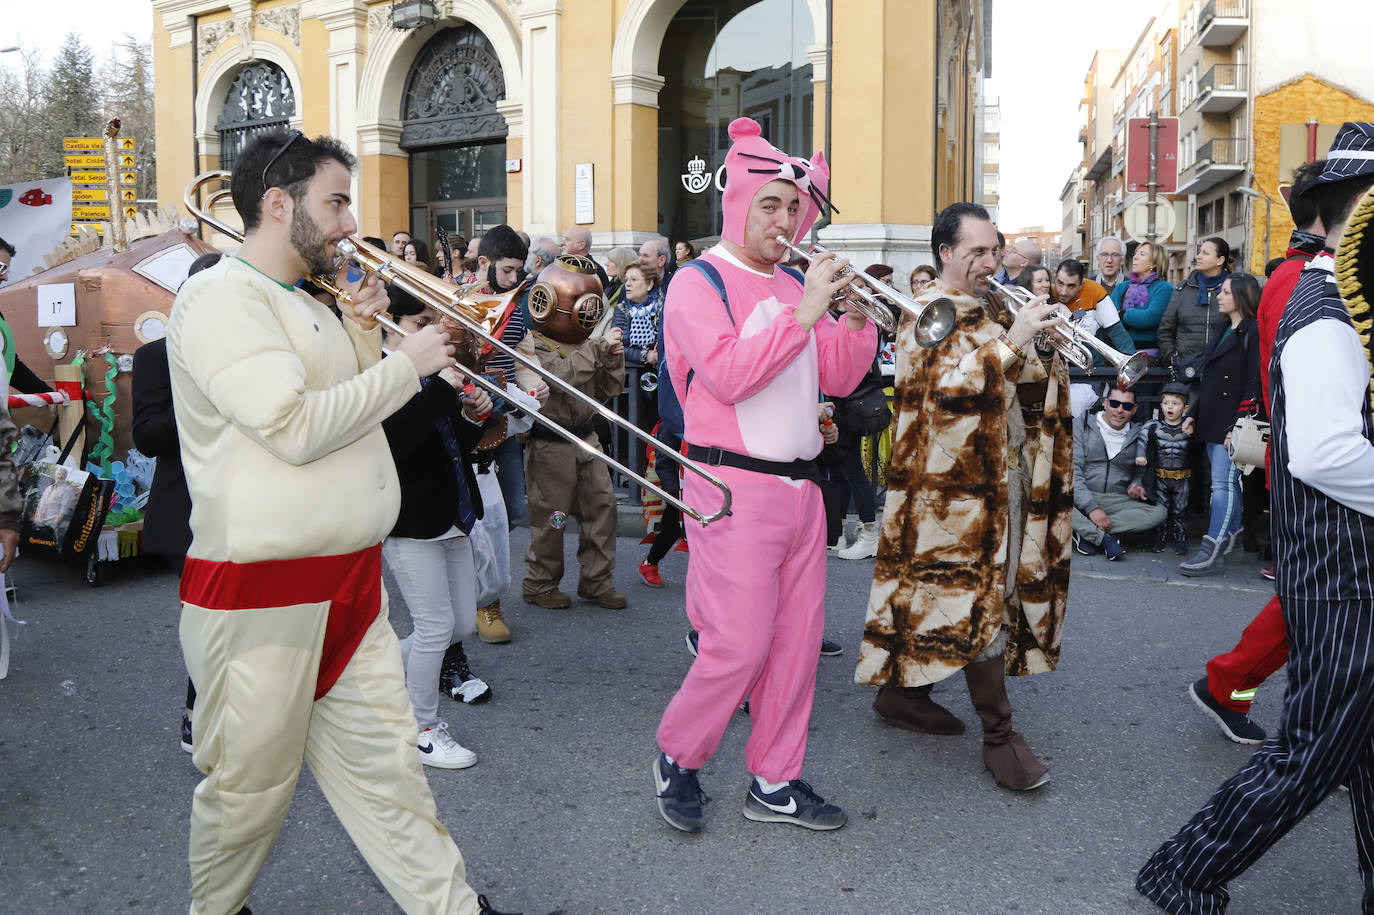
(439, 749)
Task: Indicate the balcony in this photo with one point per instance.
(1217, 160)
(1098, 170)
(1221, 22)
(1222, 89)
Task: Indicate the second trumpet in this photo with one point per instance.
(1077, 345)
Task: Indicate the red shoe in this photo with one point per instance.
(681, 547)
(649, 572)
(1268, 572)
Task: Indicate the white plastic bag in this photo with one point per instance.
(491, 541)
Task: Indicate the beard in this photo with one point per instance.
(310, 243)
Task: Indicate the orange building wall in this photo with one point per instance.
(1295, 103)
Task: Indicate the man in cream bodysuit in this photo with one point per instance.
(284, 618)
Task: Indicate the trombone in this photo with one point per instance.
(934, 320)
(1075, 344)
(455, 304)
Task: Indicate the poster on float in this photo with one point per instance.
(35, 217)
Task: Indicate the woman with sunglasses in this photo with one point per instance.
(1229, 387)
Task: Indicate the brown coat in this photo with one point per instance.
(939, 589)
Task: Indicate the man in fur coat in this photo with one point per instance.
(972, 570)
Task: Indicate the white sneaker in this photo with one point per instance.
(439, 749)
(866, 546)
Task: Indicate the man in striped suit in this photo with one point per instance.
(1322, 486)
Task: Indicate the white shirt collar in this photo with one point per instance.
(720, 252)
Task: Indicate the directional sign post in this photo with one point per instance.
(80, 160)
(90, 211)
(73, 144)
(90, 195)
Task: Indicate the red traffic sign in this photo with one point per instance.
(1138, 156)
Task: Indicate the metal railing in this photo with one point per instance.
(1222, 78)
(1223, 9)
(1221, 151)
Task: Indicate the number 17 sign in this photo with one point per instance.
(57, 305)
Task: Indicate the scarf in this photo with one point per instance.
(642, 319)
(1207, 286)
(467, 516)
(1306, 242)
(1138, 293)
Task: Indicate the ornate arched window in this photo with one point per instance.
(452, 91)
(260, 99)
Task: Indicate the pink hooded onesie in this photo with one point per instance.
(748, 375)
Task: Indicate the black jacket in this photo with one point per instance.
(1230, 383)
(1186, 327)
(429, 486)
(167, 517)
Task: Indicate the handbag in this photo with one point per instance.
(865, 412)
(490, 538)
(64, 509)
(1187, 369)
(1249, 443)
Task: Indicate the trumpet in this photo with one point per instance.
(463, 309)
(1077, 345)
(934, 319)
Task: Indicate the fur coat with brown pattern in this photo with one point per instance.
(941, 582)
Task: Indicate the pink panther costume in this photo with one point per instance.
(756, 580)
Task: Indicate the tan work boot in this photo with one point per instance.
(1005, 752)
(491, 626)
(610, 599)
(911, 707)
(552, 599)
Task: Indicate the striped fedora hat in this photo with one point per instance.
(1352, 153)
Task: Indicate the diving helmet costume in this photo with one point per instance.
(567, 301)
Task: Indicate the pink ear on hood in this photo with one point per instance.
(753, 162)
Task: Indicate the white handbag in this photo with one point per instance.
(1249, 443)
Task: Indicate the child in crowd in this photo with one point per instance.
(1164, 452)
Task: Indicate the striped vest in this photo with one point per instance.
(1323, 549)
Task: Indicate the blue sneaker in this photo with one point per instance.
(680, 797)
(1112, 548)
(794, 802)
(1085, 547)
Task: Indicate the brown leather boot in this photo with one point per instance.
(911, 707)
(1005, 752)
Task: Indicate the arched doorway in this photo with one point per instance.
(260, 99)
(720, 60)
(455, 136)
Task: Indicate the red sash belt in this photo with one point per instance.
(352, 583)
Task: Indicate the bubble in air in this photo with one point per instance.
(68, 688)
(557, 520)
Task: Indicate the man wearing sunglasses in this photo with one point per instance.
(284, 617)
(1108, 486)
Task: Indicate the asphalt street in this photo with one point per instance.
(559, 811)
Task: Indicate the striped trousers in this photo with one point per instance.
(1326, 737)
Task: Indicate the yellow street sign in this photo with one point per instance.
(128, 195)
(88, 178)
(80, 161)
(90, 195)
(126, 160)
(125, 143)
(131, 212)
(127, 178)
(75, 227)
(100, 211)
(75, 143)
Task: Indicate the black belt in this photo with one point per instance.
(716, 457)
(540, 432)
